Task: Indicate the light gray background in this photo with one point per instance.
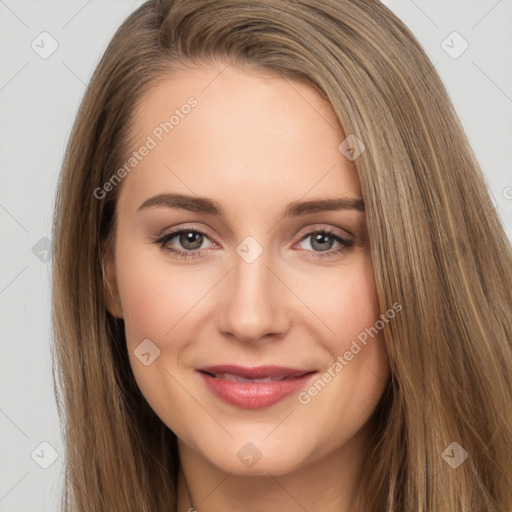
(38, 100)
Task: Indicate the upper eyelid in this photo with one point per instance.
(323, 227)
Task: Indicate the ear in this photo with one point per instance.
(110, 288)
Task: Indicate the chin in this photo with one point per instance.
(256, 458)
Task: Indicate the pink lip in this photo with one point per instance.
(254, 395)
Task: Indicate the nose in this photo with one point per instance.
(253, 303)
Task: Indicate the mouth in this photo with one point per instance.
(238, 378)
(254, 387)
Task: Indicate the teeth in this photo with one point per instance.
(238, 378)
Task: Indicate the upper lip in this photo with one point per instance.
(255, 372)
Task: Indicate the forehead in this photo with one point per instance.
(237, 135)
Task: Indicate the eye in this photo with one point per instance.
(190, 240)
(322, 240)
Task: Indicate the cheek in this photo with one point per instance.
(347, 304)
(355, 341)
(145, 298)
(155, 295)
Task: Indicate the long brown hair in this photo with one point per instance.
(436, 243)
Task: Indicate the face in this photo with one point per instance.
(244, 299)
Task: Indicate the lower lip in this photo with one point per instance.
(254, 395)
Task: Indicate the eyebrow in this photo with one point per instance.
(210, 206)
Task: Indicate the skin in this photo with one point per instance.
(254, 143)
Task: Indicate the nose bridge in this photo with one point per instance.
(252, 305)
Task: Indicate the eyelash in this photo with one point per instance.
(345, 244)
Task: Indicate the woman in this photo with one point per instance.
(279, 280)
